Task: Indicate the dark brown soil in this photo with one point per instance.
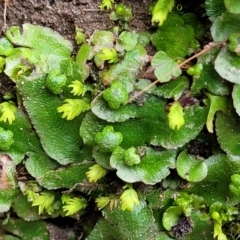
(63, 15)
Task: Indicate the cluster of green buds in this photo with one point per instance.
(56, 81)
(195, 70)
(115, 95)
(108, 140)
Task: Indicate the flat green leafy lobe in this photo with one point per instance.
(101, 109)
(22, 129)
(150, 170)
(7, 197)
(59, 139)
(171, 217)
(195, 118)
(232, 6)
(27, 230)
(214, 8)
(210, 80)
(174, 37)
(228, 130)
(102, 39)
(40, 50)
(130, 65)
(128, 40)
(139, 223)
(165, 67)
(236, 97)
(227, 64)
(173, 89)
(217, 103)
(191, 168)
(6, 139)
(71, 175)
(50, 41)
(215, 186)
(224, 26)
(5, 47)
(38, 164)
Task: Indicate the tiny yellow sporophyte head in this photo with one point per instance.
(106, 4)
(129, 199)
(73, 107)
(175, 116)
(102, 202)
(8, 110)
(95, 173)
(73, 205)
(44, 201)
(109, 55)
(77, 88)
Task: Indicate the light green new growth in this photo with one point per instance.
(73, 205)
(95, 173)
(161, 10)
(109, 55)
(104, 201)
(44, 202)
(80, 37)
(129, 198)
(106, 4)
(8, 112)
(78, 88)
(73, 107)
(218, 233)
(175, 116)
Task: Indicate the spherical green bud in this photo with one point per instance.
(55, 81)
(195, 70)
(108, 140)
(115, 95)
(131, 157)
(215, 215)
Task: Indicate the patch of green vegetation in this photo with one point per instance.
(150, 141)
